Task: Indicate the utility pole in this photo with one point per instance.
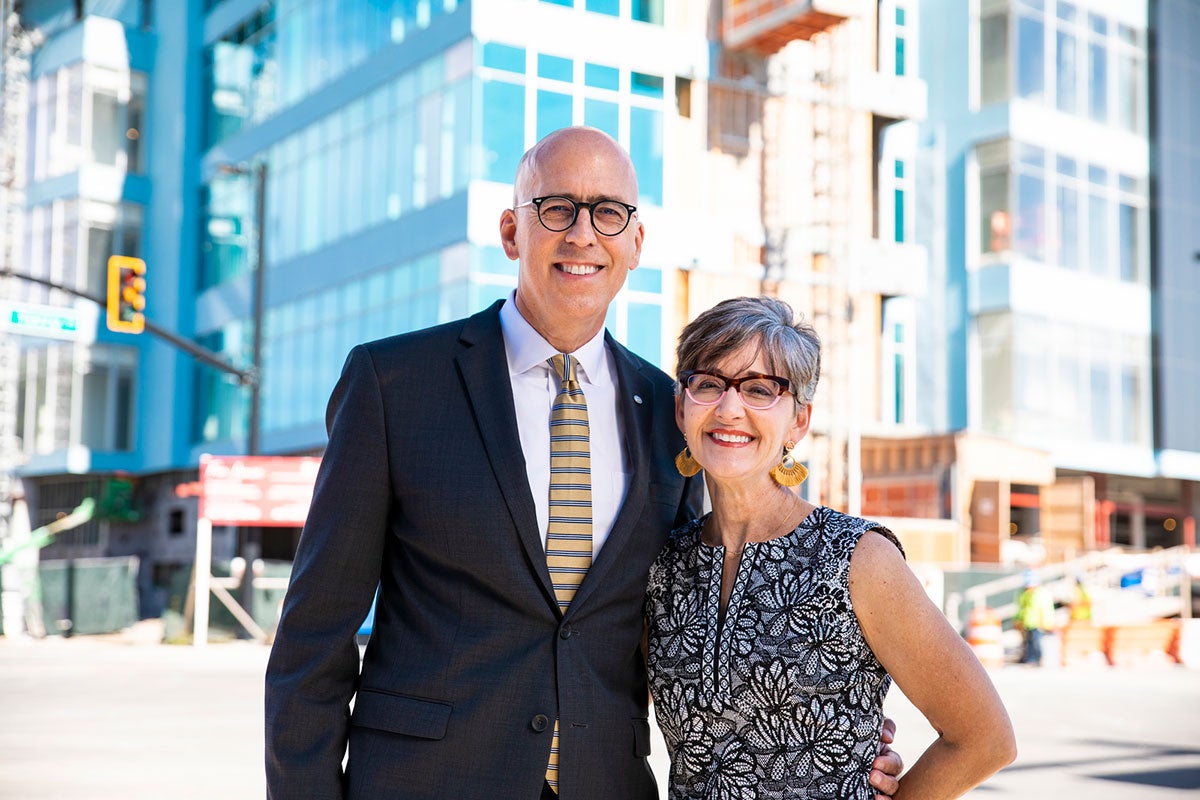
(254, 434)
(258, 282)
(252, 544)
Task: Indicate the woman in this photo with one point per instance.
(775, 626)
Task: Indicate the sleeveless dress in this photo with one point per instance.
(785, 699)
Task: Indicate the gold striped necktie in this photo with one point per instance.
(569, 536)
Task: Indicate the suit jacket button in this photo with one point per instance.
(539, 723)
(566, 632)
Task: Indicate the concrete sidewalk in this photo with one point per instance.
(124, 718)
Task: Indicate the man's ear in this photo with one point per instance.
(508, 234)
(639, 235)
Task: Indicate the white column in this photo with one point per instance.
(203, 581)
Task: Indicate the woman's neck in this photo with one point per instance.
(752, 514)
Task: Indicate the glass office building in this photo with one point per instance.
(384, 135)
(391, 132)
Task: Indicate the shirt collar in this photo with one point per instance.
(526, 349)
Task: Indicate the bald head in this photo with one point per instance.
(582, 143)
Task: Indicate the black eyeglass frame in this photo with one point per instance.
(733, 383)
(536, 202)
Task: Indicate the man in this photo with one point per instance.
(437, 487)
(1034, 617)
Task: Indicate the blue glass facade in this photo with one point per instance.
(374, 161)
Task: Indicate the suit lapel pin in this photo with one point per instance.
(637, 398)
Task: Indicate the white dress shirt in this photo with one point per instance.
(534, 386)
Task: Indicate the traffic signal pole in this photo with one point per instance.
(246, 377)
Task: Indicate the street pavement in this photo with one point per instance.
(122, 717)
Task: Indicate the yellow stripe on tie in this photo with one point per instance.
(569, 536)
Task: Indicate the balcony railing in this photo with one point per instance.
(766, 26)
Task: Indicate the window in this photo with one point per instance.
(995, 228)
(553, 112)
(86, 114)
(109, 230)
(608, 7)
(644, 330)
(641, 10)
(221, 404)
(555, 68)
(1031, 62)
(1029, 232)
(900, 62)
(897, 361)
(1130, 79)
(504, 57)
(1097, 69)
(228, 220)
(645, 148)
(900, 195)
(1052, 382)
(1098, 224)
(1131, 404)
(105, 110)
(1067, 215)
(603, 115)
(47, 379)
(648, 11)
(397, 149)
(286, 52)
(1066, 60)
(600, 76)
(108, 399)
(503, 98)
(1129, 237)
(993, 59)
(1098, 65)
(996, 372)
(1101, 404)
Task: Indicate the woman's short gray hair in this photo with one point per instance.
(788, 343)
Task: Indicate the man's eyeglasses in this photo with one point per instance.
(759, 392)
(556, 213)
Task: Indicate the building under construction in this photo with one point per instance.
(1009, 369)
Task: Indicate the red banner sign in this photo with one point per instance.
(273, 491)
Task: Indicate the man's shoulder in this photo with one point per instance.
(423, 340)
(647, 368)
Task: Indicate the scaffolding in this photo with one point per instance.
(835, 439)
(807, 207)
(15, 48)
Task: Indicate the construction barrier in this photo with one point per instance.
(1083, 643)
(983, 634)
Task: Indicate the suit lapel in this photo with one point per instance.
(484, 368)
(635, 404)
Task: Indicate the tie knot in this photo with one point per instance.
(564, 367)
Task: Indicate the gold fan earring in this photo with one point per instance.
(684, 462)
(789, 471)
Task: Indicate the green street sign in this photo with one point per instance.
(26, 319)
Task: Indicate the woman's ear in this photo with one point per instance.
(803, 420)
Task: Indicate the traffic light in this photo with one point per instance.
(126, 294)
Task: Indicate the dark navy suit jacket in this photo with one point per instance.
(423, 492)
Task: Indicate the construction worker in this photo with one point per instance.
(1035, 616)
(1081, 603)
